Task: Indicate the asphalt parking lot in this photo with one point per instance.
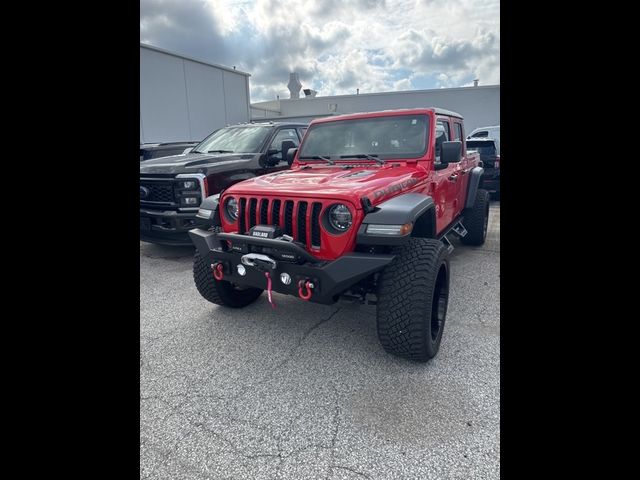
(306, 391)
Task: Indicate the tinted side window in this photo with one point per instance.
(442, 135)
(281, 136)
(457, 132)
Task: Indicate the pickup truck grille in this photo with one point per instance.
(297, 218)
(164, 192)
(159, 191)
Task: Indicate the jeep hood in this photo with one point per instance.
(376, 182)
(198, 163)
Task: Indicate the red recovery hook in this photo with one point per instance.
(218, 271)
(308, 286)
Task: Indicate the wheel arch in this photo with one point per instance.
(210, 204)
(414, 208)
(475, 178)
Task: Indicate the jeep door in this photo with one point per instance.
(445, 178)
(462, 172)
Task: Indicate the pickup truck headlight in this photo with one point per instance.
(231, 205)
(340, 217)
(188, 184)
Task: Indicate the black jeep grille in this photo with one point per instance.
(315, 224)
(252, 212)
(264, 205)
(296, 218)
(288, 217)
(275, 215)
(241, 215)
(302, 222)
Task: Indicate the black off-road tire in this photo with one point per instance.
(413, 295)
(221, 292)
(476, 220)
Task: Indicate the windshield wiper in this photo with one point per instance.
(365, 155)
(319, 157)
(219, 151)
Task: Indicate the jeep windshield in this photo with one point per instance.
(380, 138)
(234, 140)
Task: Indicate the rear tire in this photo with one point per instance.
(413, 295)
(221, 292)
(476, 220)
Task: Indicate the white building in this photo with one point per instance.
(480, 106)
(185, 99)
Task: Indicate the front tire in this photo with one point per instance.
(476, 220)
(221, 292)
(413, 295)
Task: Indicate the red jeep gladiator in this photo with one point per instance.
(364, 213)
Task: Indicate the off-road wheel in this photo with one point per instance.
(221, 292)
(476, 220)
(413, 295)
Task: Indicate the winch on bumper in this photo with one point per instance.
(323, 280)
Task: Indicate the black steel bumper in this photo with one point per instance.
(167, 227)
(330, 278)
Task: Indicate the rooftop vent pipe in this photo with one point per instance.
(294, 85)
(475, 82)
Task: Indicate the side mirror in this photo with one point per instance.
(451, 152)
(291, 154)
(285, 147)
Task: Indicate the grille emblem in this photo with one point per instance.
(144, 192)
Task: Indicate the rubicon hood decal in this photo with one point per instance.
(395, 188)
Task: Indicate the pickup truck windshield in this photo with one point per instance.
(401, 136)
(234, 139)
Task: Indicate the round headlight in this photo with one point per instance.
(232, 208)
(340, 217)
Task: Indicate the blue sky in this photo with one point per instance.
(336, 46)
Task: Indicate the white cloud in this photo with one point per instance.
(336, 46)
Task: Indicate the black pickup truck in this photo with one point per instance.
(172, 188)
(157, 150)
(489, 150)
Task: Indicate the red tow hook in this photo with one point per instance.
(308, 285)
(218, 271)
(266, 274)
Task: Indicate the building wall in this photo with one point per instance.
(480, 106)
(184, 99)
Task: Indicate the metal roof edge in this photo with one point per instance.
(186, 57)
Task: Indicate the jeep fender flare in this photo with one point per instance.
(414, 208)
(475, 176)
(212, 204)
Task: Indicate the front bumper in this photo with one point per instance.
(167, 227)
(330, 278)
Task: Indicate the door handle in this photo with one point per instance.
(453, 177)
